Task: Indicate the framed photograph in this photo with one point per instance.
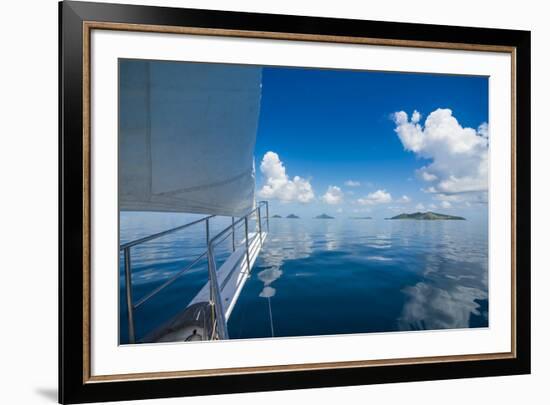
(255, 202)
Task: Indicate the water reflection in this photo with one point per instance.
(316, 277)
(431, 307)
(268, 276)
(345, 276)
(453, 292)
(379, 258)
(268, 292)
(289, 243)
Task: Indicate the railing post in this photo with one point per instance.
(233, 232)
(129, 300)
(208, 259)
(215, 296)
(259, 219)
(267, 214)
(246, 241)
(207, 232)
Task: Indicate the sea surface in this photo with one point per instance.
(321, 276)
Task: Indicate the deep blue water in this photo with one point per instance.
(320, 277)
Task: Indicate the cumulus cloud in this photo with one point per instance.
(446, 204)
(333, 196)
(459, 155)
(279, 186)
(483, 130)
(415, 116)
(376, 197)
(352, 183)
(420, 207)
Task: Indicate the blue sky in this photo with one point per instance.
(332, 126)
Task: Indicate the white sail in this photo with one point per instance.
(187, 133)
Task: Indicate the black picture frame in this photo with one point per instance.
(73, 384)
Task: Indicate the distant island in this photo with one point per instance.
(429, 216)
(360, 217)
(292, 216)
(324, 216)
(276, 216)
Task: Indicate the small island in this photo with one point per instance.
(360, 217)
(292, 216)
(276, 216)
(427, 216)
(324, 216)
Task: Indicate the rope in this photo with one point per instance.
(270, 316)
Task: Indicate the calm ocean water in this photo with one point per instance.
(320, 277)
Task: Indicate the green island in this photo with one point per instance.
(276, 216)
(292, 216)
(427, 216)
(324, 216)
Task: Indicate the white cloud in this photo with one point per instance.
(467, 199)
(432, 206)
(430, 189)
(352, 183)
(376, 197)
(483, 130)
(420, 207)
(447, 197)
(415, 117)
(333, 196)
(459, 155)
(279, 186)
(404, 199)
(340, 210)
(446, 204)
(427, 176)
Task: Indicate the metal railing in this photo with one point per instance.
(220, 323)
(126, 249)
(215, 298)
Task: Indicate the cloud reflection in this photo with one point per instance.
(268, 292)
(431, 307)
(289, 245)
